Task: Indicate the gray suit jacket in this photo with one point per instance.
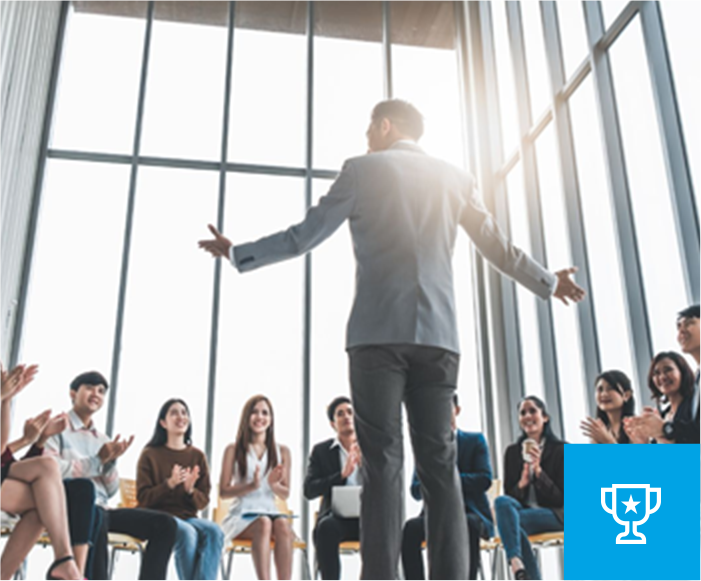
(404, 208)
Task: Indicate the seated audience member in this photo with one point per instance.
(173, 477)
(334, 462)
(534, 485)
(475, 472)
(614, 401)
(254, 471)
(82, 451)
(32, 488)
(685, 426)
(674, 421)
(80, 492)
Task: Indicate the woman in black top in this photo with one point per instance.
(534, 487)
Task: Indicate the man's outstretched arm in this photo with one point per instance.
(320, 222)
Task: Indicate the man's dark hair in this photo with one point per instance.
(89, 378)
(691, 312)
(455, 400)
(331, 410)
(402, 114)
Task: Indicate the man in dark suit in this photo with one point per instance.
(404, 209)
(334, 462)
(475, 471)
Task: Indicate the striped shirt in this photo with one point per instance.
(76, 451)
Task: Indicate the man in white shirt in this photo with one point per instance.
(84, 452)
(334, 462)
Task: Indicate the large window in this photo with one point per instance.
(136, 170)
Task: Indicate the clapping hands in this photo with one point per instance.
(110, 451)
(16, 379)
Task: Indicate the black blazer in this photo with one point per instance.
(686, 422)
(323, 473)
(549, 487)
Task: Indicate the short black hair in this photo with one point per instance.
(403, 114)
(89, 378)
(455, 400)
(691, 312)
(331, 409)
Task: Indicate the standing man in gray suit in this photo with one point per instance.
(404, 208)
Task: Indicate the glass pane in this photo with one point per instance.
(567, 337)
(505, 77)
(536, 61)
(168, 309)
(605, 265)
(427, 76)
(573, 34)
(261, 338)
(684, 43)
(347, 79)
(652, 207)
(531, 358)
(268, 101)
(185, 89)
(72, 299)
(99, 115)
(611, 10)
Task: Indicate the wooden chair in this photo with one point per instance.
(117, 541)
(244, 546)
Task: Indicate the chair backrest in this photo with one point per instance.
(127, 492)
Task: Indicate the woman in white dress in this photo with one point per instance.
(255, 470)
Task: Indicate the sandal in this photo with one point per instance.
(521, 574)
(55, 564)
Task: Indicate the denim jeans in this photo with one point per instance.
(515, 523)
(198, 547)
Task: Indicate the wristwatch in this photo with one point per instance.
(668, 430)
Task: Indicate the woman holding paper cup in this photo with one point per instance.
(255, 470)
(534, 485)
(614, 403)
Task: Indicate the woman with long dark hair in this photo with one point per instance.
(255, 470)
(173, 477)
(614, 402)
(671, 383)
(534, 477)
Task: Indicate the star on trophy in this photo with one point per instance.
(626, 509)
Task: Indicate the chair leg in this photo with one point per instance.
(480, 570)
(230, 564)
(222, 569)
(306, 573)
(495, 562)
(110, 566)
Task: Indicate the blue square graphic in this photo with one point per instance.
(653, 531)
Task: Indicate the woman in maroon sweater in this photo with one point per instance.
(173, 476)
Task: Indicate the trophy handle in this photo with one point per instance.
(658, 493)
(603, 500)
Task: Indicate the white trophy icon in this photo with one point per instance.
(637, 538)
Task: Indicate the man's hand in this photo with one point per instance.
(352, 461)
(566, 287)
(114, 449)
(55, 426)
(219, 247)
(192, 475)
